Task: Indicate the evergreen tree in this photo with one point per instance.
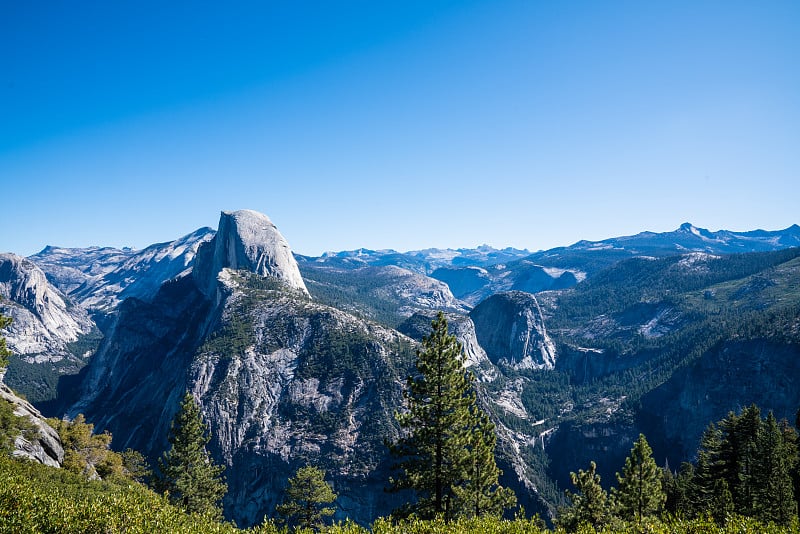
(639, 493)
(306, 497)
(187, 471)
(480, 494)
(739, 456)
(710, 469)
(446, 454)
(4, 352)
(680, 489)
(777, 454)
(589, 505)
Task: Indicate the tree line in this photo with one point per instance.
(747, 465)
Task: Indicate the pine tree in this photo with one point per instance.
(639, 493)
(446, 455)
(680, 490)
(710, 468)
(480, 494)
(304, 504)
(773, 487)
(739, 456)
(187, 471)
(4, 352)
(589, 505)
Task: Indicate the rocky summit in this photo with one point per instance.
(247, 240)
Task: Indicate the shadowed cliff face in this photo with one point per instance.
(733, 375)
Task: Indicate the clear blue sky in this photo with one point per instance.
(399, 124)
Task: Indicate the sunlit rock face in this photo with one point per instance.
(247, 240)
(42, 444)
(510, 328)
(44, 321)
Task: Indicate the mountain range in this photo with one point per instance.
(298, 359)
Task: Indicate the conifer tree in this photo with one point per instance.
(446, 453)
(589, 505)
(4, 352)
(306, 499)
(639, 493)
(187, 471)
(777, 454)
(739, 457)
(710, 468)
(480, 494)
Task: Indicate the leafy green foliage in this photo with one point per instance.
(446, 456)
(306, 499)
(188, 474)
(37, 498)
(86, 453)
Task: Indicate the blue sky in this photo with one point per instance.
(399, 124)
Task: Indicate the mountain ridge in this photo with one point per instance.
(568, 373)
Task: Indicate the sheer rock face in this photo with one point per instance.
(247, 240)
(510, 328)
(43, 444)
(44, 322)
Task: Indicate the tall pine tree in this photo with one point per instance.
(589, 505)
(777, 454)
(480, 494)
(639, 493)
(187, 471)
(305, 503)
(446, 452)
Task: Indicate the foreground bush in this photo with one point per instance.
(36, 498)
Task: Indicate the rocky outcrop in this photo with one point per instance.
(247, 240)
(44, 321)
(386, 294)
(510, 328)
(42, 443)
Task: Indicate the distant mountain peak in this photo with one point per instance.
(248, 240)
